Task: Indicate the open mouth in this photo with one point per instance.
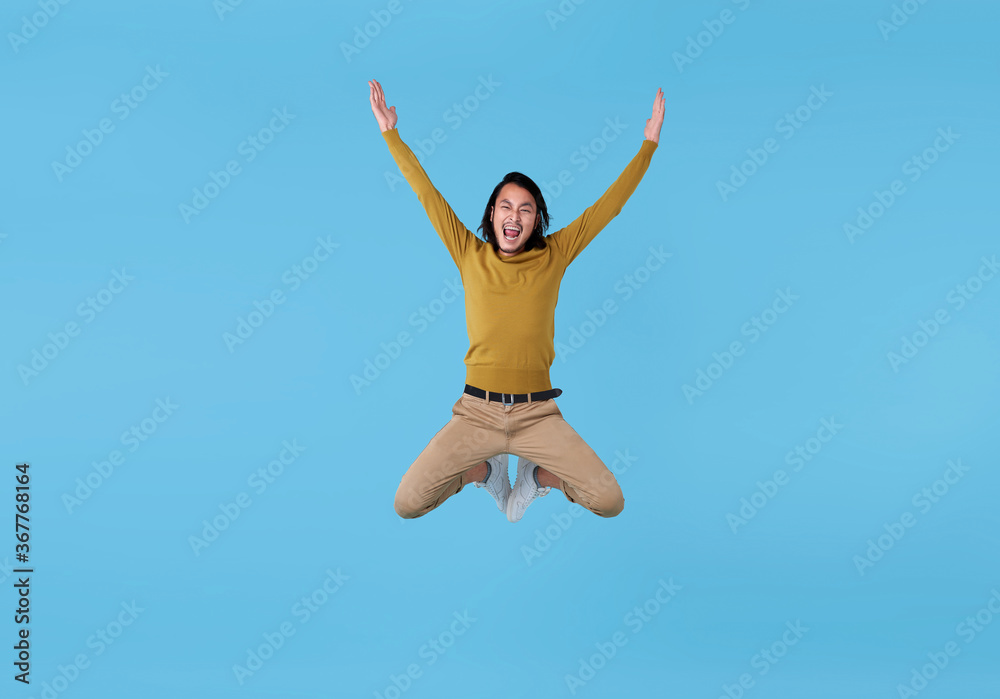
(511, 232)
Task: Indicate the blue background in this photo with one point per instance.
(545, 594)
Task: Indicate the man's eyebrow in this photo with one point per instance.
(527, 203)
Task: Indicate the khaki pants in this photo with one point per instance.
(535, 431)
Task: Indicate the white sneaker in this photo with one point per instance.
(525, 490)
(497, 481)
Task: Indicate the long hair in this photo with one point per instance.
(537, 239)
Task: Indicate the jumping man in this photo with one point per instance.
(511, 280)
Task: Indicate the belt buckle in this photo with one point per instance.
(503, 398)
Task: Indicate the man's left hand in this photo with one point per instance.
(653, 124)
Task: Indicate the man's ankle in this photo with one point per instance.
(546, 479)
(483, 469)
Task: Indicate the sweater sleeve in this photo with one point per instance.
(572, 239)
(455, 236)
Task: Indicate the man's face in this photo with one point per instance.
(514, 218)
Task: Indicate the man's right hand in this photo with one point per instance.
(386, 117)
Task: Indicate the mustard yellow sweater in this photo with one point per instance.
(510, 302)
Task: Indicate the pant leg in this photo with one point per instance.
(539, 433)
(469, 438)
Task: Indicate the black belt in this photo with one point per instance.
(511, 398)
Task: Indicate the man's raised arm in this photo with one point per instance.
(453, 233)
(577, 235)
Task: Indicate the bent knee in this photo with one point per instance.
(612, 506)
(609, 502)
(406, 513)
(407, 509)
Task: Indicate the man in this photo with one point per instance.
(511, 282)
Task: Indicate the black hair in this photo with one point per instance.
(537, 239)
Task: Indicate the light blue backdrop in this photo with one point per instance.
(203, 237)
